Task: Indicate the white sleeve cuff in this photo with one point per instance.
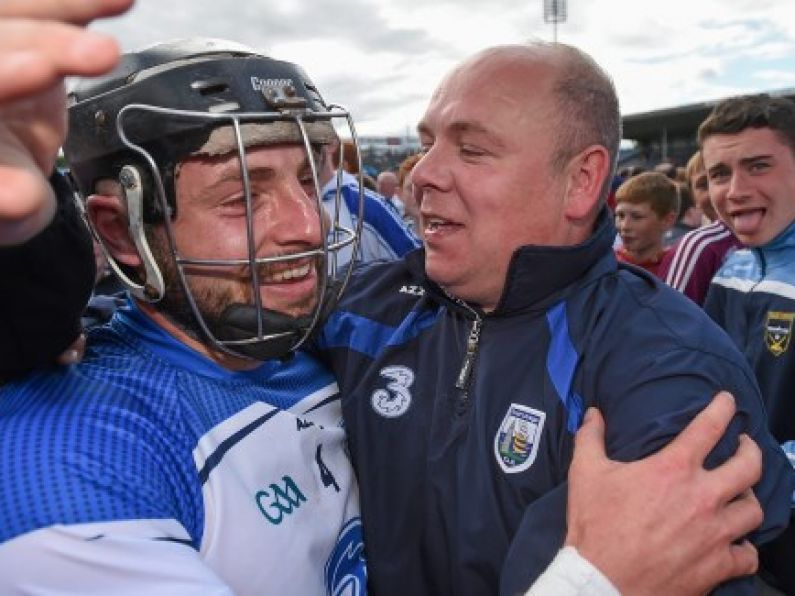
(570, 574)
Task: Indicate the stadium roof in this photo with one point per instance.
(681, 121)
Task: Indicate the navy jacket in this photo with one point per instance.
(462, 459)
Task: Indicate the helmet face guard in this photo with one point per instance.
(225, 110)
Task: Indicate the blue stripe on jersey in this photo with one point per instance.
(562, 363)
(381, 219)
(230, 442)
(347, 330)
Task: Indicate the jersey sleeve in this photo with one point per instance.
(131, 557)
(88, 455)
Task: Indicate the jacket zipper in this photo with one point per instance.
(469, 358)
(473, 342)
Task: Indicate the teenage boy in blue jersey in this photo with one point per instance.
(748, 145)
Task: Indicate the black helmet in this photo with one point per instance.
(200, 97)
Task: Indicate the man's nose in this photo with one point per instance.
(431, 172)
(738, 186)
(294, 218)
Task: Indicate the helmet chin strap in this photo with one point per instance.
(239, 322)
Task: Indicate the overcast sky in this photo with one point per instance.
(382, 58)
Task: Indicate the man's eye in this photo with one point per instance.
(718, 175)
(234, 202)
(759, 166)
(472, 151)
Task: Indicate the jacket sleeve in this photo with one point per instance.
(46, 284)
(648, 393)
(646, 406)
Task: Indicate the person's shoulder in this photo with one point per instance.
(76, 447)
(635, 308)
(385, 288)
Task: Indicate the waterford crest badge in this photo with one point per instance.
(516, 441)
(778, 329)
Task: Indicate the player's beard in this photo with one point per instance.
(211, 293)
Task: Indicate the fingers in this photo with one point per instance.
(741, 516)
(28, 66)
(743, 559)
(43, 41)
(26, 205)
(79, 12)
(589, 442)
(739, 472)
(702, 434)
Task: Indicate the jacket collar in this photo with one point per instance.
(784, 241)
(540, 275)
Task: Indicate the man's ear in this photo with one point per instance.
(108, 216)
(586, 173)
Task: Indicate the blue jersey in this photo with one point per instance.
(149, 467)
(753, 298)
(461, 423)
(384, 234)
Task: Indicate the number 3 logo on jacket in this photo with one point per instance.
(396, 398)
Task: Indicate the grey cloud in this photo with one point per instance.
(256, 24)
(370, 99)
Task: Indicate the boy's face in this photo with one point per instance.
(641, 229)
(751, 182)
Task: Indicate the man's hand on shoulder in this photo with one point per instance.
(664, 524)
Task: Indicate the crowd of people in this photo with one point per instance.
(470, 378)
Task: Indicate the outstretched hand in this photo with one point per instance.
(41, 42)
(664, 524)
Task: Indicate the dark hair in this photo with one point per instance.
(735, 114)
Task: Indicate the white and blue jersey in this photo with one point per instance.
(384, 234)
(147, 468)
